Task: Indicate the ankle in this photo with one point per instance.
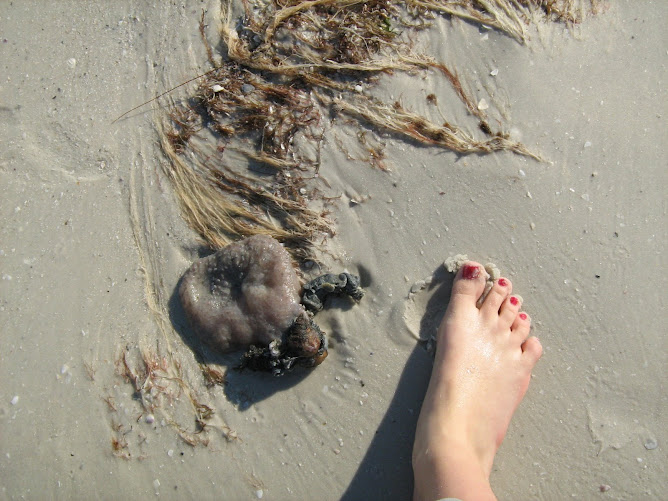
(453, 431)
(453, 469)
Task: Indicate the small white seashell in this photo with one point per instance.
(217, 88)
(418, 286)
(651, 444)
(482, 104)
(494, 72)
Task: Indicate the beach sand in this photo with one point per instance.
(89, 219)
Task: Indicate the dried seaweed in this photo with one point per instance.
(158, 385)
(223, 205)
(511, 17)
(416, 127)
(286, 67)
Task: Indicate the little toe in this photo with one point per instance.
(496, 296)
(532, 350)
(509, 310)
(469, 283)
(521, 327)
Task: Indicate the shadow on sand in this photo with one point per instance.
(385, 472)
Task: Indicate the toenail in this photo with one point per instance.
(514, 301)
(503, 282)
(470, 271)
(523, 316)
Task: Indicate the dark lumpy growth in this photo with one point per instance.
(304, 344)
(318, 289)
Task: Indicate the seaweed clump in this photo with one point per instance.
(285, 68)
(512, 16)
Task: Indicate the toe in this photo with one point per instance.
(509, 310)
(469, 283)
(521, 326)
(532, 350)
(496, 296)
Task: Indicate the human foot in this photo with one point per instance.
(482, 369)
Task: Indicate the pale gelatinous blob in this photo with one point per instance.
(246, 293)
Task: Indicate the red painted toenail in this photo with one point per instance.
(470, 272)
(503, 282)
(514, 301)
(523, 316)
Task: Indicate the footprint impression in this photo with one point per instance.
(425, 305)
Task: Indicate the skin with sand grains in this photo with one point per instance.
(482, 369)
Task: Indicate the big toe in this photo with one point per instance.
(469, 283)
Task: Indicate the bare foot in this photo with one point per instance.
(481, 372)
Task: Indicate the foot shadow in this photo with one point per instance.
(386, 472)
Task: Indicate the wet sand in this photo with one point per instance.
(89, 219)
